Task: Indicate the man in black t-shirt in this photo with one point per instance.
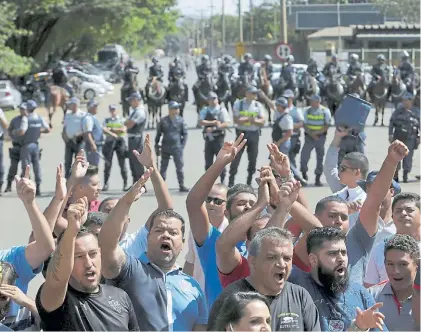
(270, 260)
(71, 299)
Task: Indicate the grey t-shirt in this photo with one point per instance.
(292, 310)
(359, 245)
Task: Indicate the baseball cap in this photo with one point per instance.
(112, 107)
(288, 94)
(281, 101)
(370, 179)
(173, 105)
(31, 104)
(408, 96)
(92, 103)
(73, 100)
(212, 95)
(252, 89)
(134, 95)
(315, 98)
(23, 106)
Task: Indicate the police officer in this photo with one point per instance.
(354, 67)
(115, 130)
(249, 118)
(225, 68)
(135, 125)
(14, 151)
(93, 134)
(407, 71)
(378, 71)
(176, 68)
(173, 129)
(3, 127)
(246, 69)
(316, 123)
(332, 67)
(72, 133)
(288, 73)
(298, 122)
(405, 126)
(312, 68)
(155, 72)
(268, 67)
(202, 70)
(214, 120)
(31, 128)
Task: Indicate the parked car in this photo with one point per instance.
(86, 87)
(96, 79)
(10, 96)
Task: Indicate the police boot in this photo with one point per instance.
(318, 183)
(249, 179)
(38, 193)
(8, 187)
(301, 180)
(305, 177)
(1, 185)
(405, 176)
(125, 188)
(105, 187)
(231, 181)
(396, 176)
(183, 189)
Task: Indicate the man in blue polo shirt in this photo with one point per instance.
(164, 298)
(28, 259)
(240, 199)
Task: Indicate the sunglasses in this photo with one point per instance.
(343, 168)
(216, 201)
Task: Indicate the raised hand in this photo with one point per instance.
(61, 189)
(25, 188)
(146, 158)
(138, 188)
(341, 132)
(279, 161)
(354, 207)
(14, 294)
(77, 214)
(264, 180)
(230, 149)
(370, 318)
(397, 151)
(288, 193)
(79, 167)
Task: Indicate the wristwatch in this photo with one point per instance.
(285, 179)
(355, 328)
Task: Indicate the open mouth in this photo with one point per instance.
(398, 279)
(279, 277)
(165, 247)
(341, 270)
(91, 275)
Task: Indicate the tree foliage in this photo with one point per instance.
(407, 10)
(77, 28)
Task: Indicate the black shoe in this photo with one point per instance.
(105, 187)
(405, 177)
(125, 188)
(38, 193)
(418, 177)
(183, 189)
(305, 177)
(318, 183)
(396, 178)
(8, 187)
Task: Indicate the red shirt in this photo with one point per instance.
(94, 205)
(241, 271)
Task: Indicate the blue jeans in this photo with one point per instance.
(93, 158)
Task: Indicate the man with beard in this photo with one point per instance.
(402, 256)
(338, 301)
(240, 199)
(270, 258)
(407, 219)
(71, 297)
(164, 298)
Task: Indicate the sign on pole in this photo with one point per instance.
(282, 51)
(239, 49)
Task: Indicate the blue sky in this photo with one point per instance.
(193, 7)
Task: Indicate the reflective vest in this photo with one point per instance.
(115, 123)
(315, 121)
(247, 112)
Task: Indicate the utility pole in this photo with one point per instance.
(202, 27)
(338, 14)
(240, 22)
(223, 26)
(275, 23)
(251, 21)
(211, 32)
(283, 23)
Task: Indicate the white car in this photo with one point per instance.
(96, 79)
(10, 96)
(88, 89)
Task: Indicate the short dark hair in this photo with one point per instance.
(406, 196)
(83, 231)
(318, 236)
(321, 205)
(8, 276)
(405, 243)
(358, 160)
(234, 191)
(96, 218)
(168, 213)
(105, 201)
(232, 309)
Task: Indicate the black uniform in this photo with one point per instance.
(354, 69)
(135, 140)
(313, 70)
(14, 151)
(379, 69)
(59, 76)
(203, 70)
(406, 70)
(174, 132)
(156, 71)
(246, 69)
(331, 67)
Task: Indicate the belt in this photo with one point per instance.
(134, 135)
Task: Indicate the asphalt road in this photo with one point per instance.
(15, 222)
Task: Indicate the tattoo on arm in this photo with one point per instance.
(54, 265)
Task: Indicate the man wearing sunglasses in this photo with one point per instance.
(216, 203)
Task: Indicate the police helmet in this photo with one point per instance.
(227, 59)
(381, 57)
(334, 57)
(154, 60)
(205, 58)
(290, 58)
(311, 61)
(404, 55)
(354, 57)
(176, 59)
(268, 57)
(248, 56)
(130, 62)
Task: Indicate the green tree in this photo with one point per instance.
(407, 10)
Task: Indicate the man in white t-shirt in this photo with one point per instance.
(406, 217)
(216, 206)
